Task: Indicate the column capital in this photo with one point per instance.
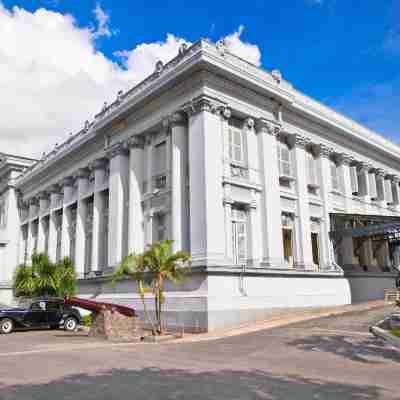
(380, 172)
(345, 159)
(395, 179)
(296, 140)
(54, 189)
(269, 127)
(43, 195)
(68, 181)
(227, 200)
(136, 142)
(83, 173)
(206, 103)
(33, 201)
(249, 123)
(98, 163)
(116, 150)
(364, 167)
(177, 118)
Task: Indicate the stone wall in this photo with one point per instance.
(112, 325)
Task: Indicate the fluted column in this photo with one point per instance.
(118, 203)
(65, 239)
(304, 249)
(364, 187)
(136, 177)
(180, 225)
(80, 242)
(44, 203)
(380, 187)
(396, 192)
(55, 196)
(324, 167)
(99, 167)
(344, 167)
(207, 227)
(270, 204)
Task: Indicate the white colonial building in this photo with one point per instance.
(270, 191)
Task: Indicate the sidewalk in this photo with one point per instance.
(283, 318)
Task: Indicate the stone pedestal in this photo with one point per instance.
(112, 325)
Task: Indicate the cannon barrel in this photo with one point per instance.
(98, 306)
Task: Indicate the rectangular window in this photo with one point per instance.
(287, 235)
(284, 162)
(315, 247)
(160, 159)
(161, 229)
(335, 177)
(236, 152)
(239, 236)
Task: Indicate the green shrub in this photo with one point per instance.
(87, 320)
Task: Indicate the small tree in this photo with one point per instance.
(156, 265)
(44, 278)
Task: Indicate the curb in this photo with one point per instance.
(385, 335)
(284, 321)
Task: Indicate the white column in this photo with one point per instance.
(98, 211)
(324, 167)
(55, 194)
(255, 231)
(207, 222)
(180, 225)
(380, 187)
(136, 177)
(271, 221)
(344, 168)
(80, 242)
(43, 207)
(65, 239)
(396, 193)
(304, 255)
(364, 190)
(118, 203)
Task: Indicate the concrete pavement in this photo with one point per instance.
(326, 358)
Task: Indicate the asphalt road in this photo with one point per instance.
(328, 358)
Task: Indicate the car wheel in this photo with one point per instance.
(6, 325)
(70, 324)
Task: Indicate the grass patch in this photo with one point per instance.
(395, 332)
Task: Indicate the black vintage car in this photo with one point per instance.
(40, 314)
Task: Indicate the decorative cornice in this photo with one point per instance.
(296, 140)
(323, 150)
(265, 126)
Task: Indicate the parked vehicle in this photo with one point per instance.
(45, 313)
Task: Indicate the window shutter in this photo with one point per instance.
(372, 186)
(354, 179)
(388, 191)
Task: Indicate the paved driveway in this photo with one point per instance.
(330, 358)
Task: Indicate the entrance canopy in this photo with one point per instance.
(375, 227)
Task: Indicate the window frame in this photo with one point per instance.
(282, 146)
(232, 146)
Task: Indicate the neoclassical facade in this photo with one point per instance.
(237, 167)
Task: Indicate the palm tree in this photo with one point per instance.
(45, 278)
(156, 265)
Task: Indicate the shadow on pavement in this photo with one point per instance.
(353, 349)
(153, 383)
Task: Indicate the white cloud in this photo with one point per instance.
(102, 19)
(247, 51)
(52, 78)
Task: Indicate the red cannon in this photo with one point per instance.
(98, 306)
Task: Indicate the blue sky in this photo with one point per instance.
(343, 53)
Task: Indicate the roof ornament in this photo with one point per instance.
(277, 75)
(182, 49)
(86, 126)
(159, 67)
(105, 105)
(119, 95)
(221, 47)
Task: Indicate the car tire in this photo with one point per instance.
(70, 324)
(6, 326)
